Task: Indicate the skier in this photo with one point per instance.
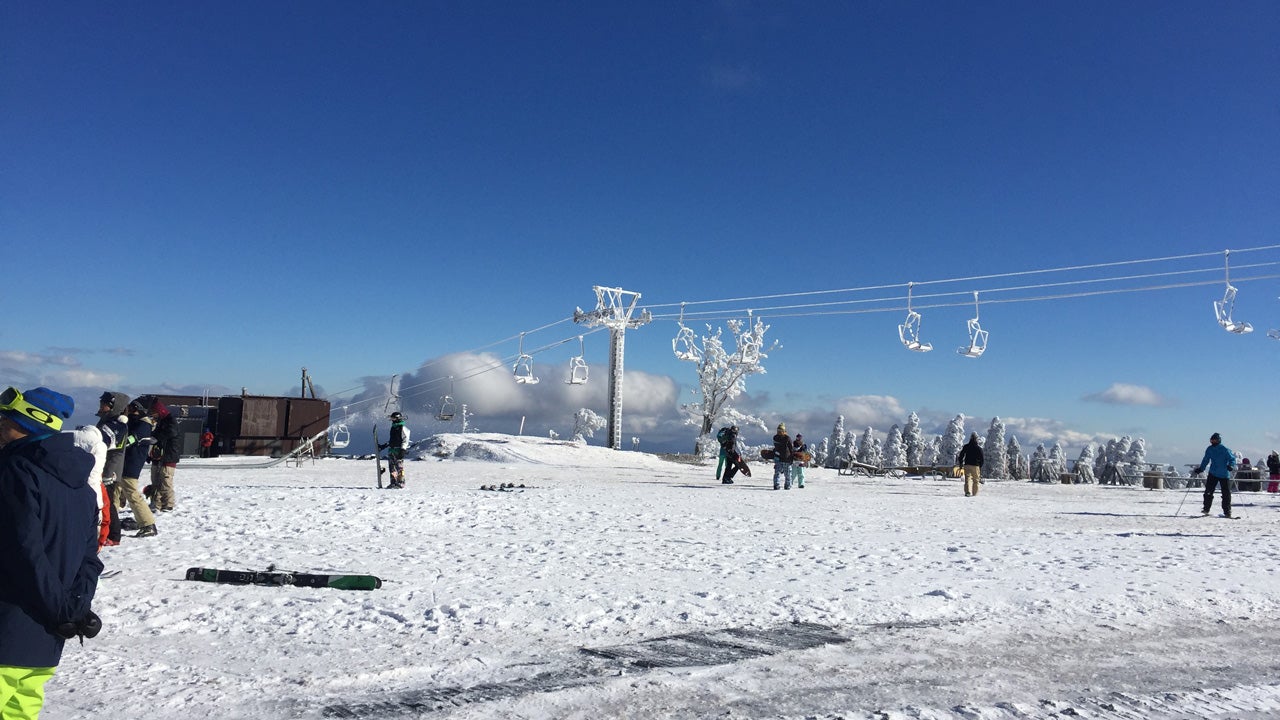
(1220, 461)
(396, 445)
(48, 542)
(782, 456)
(800, 453)
(970, 459)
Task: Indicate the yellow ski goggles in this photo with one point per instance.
(11, 399)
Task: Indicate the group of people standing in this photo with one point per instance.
(137, 432)
(789, 457)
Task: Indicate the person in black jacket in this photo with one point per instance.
(970, 459)
(135, 459)
(48, 545)
(113, 421)
(164, 454)
(782, 453)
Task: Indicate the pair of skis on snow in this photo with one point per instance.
(274, 577)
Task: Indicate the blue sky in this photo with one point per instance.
(215, 195)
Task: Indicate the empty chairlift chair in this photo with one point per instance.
(1223, 308)
(909, 330)
(523, 367)
(977, 336)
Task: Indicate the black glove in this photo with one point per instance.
(1194, 472)
(88, 627)
(383, 446)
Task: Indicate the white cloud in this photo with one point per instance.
(1126, 394)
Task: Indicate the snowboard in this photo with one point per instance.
(315, 580)
(377, 455)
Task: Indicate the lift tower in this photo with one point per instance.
(614, 309)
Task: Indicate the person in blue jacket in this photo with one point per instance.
(138, 447)
(1220, 461)
(48, 545)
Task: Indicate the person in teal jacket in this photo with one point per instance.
(1220, 461)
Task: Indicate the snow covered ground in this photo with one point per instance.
(1028, 601)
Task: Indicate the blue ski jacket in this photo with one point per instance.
(140, 442)
(48, 546)
(1220, 461)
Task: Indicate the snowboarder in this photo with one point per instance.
(970, 460)
(732, 459)
(135, 458)
(49, 543)
(1220, 461)
(165, 454)
(113, 421)
(800, 456)
(1273, 470)
(396, 446)
(782, 455)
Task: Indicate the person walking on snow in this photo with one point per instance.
(970, 460)
(396, 446)
(48, 545)
(1220, 461)
(782, 455)
(1273, 471)
(729, 453)
(800, 455)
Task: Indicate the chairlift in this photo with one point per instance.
(578, 365)
(340, 436)
(523, 367)
(909, 330)
(1224, 307)
(977, 336)
(447, 406)
(685, 343)
(748, 345)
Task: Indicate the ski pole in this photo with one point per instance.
(1184, 496)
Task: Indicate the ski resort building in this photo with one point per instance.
(248, 424)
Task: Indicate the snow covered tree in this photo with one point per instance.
(913, 439)
(895, 451)
(868, 448)
(586, 423)
(1137, 454)
(1084, 465)
(1112, 471)
(934, 453)
(953, 439)
(1099, 463)
(1015, 459)
(722, 377)
(995, 455)
(1040, 467)
(821, 452)
(837, 441)
(1057, 464)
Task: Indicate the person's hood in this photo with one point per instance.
(59, 455)
(119, 406)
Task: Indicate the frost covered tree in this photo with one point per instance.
(1137, 454)
(586, 423)
(837, 441)
(722, 377)
(1040, 467)
(913, 439)
(1084, 465)
(953, 439)
(869, 448)
(1057, 462)
(1112, 470)
(934, 453)
(821, 452)
(994, 454)
(1015, 459)
(895, 451)
(1099, 462)
(849, 450)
